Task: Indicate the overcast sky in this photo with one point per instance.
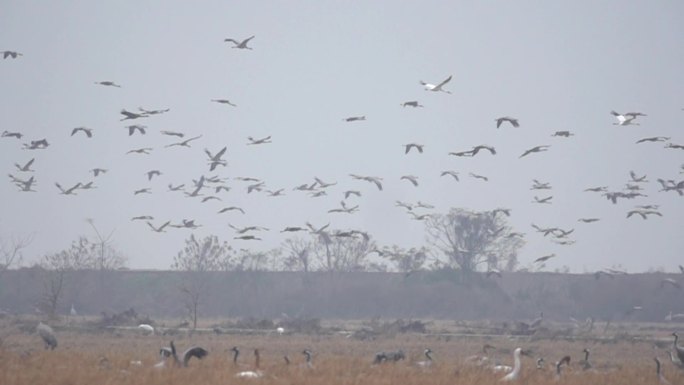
(553, 65)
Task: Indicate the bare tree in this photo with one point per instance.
(78, 257)
(336, 253)
(404, 260)
(11, 252)
(298, 256)
(469, 239)
(196, 260)
(106, 257)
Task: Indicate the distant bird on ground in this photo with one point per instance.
(256, 373)
(146, 329)
(69, 191)
(413, 104)
(97, 171)
(231, 208)
(136, 127)
(146, 190)
(354, 118)
(185, 143)
(476, 176)
(671, 282)
(12, 54)
(438, 87)
(194, 351)
(512, 121)
(409, 146)
(26, 167)
(159, 229)
(454, 174)
(427, 363)
(565, 134)
(654, 139)
(7, 134)
(588, 220)
(85, 130)
(676, 348)
(152, 173)
(411, 178)
(108, 84)
(172, 133)
(240, 44)
(517, 366)
(535, 149)
(259, 141)
(626, 119)
(131, 115)
(544, 258)
(224, 101)
(48, 335)
(145, 151)
(661, 378)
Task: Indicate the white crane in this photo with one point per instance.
(438, 87)
(239, 44)
(517, 366)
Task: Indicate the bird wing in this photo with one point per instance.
(29, 163)
(231, 40)
(444, 82)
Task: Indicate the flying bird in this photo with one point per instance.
(152, 173)
(476, 176)
(142, 191)
(224, 101)
(409, 146)
(12, 54)
(512, 121)
(413, 104)
(172, 133)
(159, 229)
(185, 143)
(454, 174)
(543, 200)
(588, 220)
(259, 141)
(354, 118)
(98, 171)
(240, 44)
(69, 191)
(626, 119)
(131, 115)
(654, 139)
(438, 87)
(153, 112)
(544, 258)
(26, 167)
(145, 151)
(7, 134)
(85, 130)
(231, 208)
(136, 127)
(535, 149)
(565, 134)
(371, 179)
(108, 84)
(411, 178)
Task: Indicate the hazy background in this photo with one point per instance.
(554, 66)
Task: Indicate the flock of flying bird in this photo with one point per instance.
(210, 188)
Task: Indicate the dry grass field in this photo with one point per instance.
(86, 358)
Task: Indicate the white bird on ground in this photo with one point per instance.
(438, 87)
(517, 366)
(146, 329)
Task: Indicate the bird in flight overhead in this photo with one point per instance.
(108, 84)
(512, 121)
(438, 87)
(239, 44)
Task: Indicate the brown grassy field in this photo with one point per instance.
(108, 358)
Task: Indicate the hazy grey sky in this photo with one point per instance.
(553, 65)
